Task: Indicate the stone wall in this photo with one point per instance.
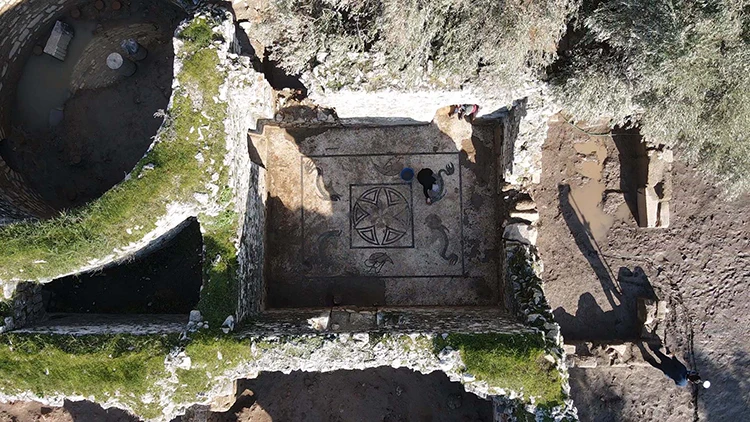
(22, 22)
(26, 307)
(17, 200)
(251, 256)
(108, 324)
(522, 270)
(525, 113)
(392, 320)
(249, 98)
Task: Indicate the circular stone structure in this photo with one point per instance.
(381, 216)
(123, 66)
(71, 129)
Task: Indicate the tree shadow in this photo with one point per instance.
(587, 245)
(591, 322)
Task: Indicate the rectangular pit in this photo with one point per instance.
(344, 229)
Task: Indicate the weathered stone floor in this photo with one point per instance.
(345, 229)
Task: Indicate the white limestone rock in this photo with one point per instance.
(520, 232)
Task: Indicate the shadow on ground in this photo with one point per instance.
(165, 281)
(589, 321)
(379, 394)
(345, 229)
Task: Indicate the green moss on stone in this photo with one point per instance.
(511, 361)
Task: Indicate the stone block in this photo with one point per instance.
(651, 314)
(647, 309)
(585, 362)
(520, 232)
(195, 316)
(530, 216)
(525, 205)
(619, 349)
(661, 310)
(344, 320)
(226, 398)
(653, 198)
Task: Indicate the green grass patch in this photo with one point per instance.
(211, 355)
(6, 310)
(105, 366)
(219, 295)
(95, 366)
(129, 367)
(199, 33)
(512, 361)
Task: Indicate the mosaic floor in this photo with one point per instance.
(345, 229)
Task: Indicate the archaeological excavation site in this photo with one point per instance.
(260, 210)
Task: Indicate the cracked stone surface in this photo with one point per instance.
(348, 230)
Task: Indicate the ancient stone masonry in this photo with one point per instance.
(522, 271)
(343, 262)
(654, 196)
(385, 320)
(17, 200)
(22, 22)
(249, 98)
(26, 307)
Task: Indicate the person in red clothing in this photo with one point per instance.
(468, 111)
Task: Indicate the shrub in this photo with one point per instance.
(410, 43)
(680, 69)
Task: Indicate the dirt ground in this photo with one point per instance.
(167, 281)
(380, 394)
(107, 120)
(79, 411)
(597, 261)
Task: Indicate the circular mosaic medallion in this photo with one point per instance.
(381, 216)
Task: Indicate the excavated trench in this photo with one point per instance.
(166, 281)
(76, 127)
(71, 128)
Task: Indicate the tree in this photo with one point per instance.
(680, 69)
(414, 43)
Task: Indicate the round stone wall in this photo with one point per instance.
(22, 22)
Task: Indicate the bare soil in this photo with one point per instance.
(166, 281)
(108, 120)
(598, 261)
(380, 394)
(79, 411)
